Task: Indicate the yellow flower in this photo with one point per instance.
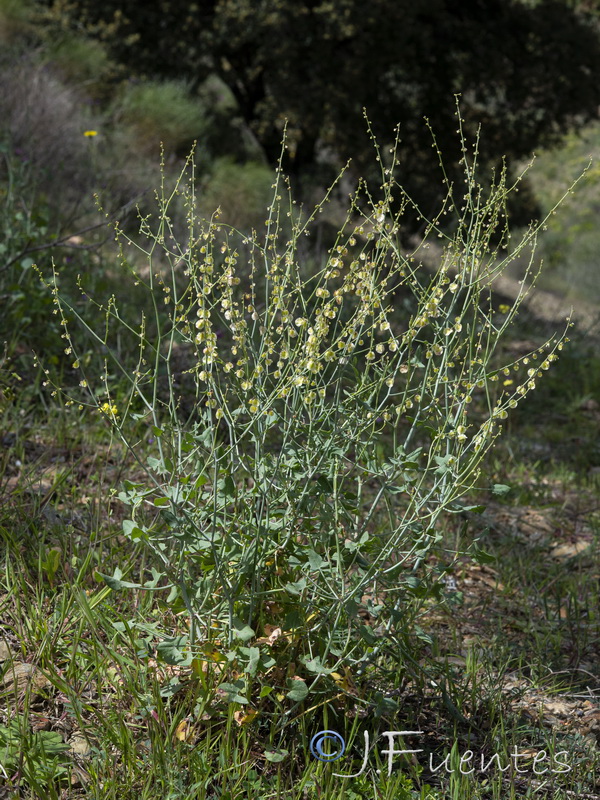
(503, 308)
(90, 133)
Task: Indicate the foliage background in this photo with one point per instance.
(89, 92)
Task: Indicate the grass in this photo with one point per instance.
(497, 649)
(508, 639)
(99, 699)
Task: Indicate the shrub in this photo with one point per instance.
(25, 224)
(15, 20)
(241, 191)
(83, 63)
(328, 436)
(45, 120)
(161, 112)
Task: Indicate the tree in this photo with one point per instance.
(526, 71)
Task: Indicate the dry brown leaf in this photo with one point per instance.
(493, 583)
(79, 776)
(39, 722)
(185, 730)
(565, 550)
(590, 722)
(272, 635)
(457, 661)
(210, 653)
(244, 717)
(558, 707)
(344, 681)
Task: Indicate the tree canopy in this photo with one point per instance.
(527, 72)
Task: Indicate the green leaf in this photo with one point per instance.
(314, 559)
(171, 651)
(266, 662)
(396, 489)
(156, 464)
(421, 590)
(131, 529)
(115, 583)
(156, 576)
(253, 654)
(276, 755)
(325, 484)
(315, 665)
(173, 595)
(228, 486)
(52, 561)
(500, 489)
(367, 634)
(51, 743)
(482, 557)
(296, 588)
(232, 692)
(458, 508)
(424, 637)
(443, 463)
(188, 443)
(298, 691)
(242, 631)
(384, 706)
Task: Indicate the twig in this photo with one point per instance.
(64, 240)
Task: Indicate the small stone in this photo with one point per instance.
(79, 745)
(23, 674)
(5, 653)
